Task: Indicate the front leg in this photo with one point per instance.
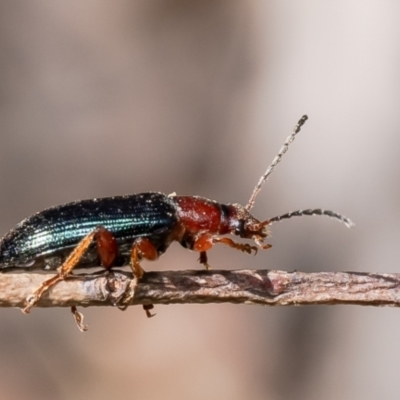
(206, 241)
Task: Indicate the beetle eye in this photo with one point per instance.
(240, 228)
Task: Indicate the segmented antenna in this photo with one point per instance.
(275, 162)
(341, 218)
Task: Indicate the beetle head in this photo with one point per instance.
(246, 226)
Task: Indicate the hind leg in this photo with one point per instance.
(107, 249)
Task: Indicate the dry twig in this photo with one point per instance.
(265, 287)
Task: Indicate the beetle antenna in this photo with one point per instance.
(275, 162)
(299, 213)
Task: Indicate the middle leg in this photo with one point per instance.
(142, 248)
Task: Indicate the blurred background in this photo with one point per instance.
(100, 98)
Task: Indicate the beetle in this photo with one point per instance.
(117, 231)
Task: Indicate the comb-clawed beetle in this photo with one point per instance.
(115, 231)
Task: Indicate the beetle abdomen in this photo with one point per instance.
(59, 228)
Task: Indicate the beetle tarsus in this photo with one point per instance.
(33, 299)
(203, 259)
(125, 301)
(147, 308)
(245, 247)
(79, 319)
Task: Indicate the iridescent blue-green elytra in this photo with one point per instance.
(43, 240)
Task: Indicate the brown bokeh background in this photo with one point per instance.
(99, 98)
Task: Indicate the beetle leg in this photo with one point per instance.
(206, 241)
(142, 248)
(260, 243)
(106, 247)
(202, 243)
(203, 259)
(79, 319)
(245, 247)
(147, 308)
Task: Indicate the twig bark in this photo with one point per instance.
(264, 287)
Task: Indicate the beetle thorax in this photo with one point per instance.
(198, 214)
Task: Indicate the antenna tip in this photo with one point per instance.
(301, 122)
(303, 119)
(349, 223)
